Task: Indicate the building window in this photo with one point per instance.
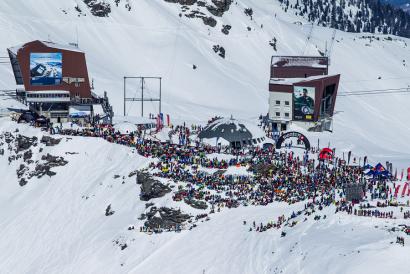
(286, 115)
(286, 103)
(277, 114)
(277, 102)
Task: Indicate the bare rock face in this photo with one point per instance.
(182, 2)
(44, 168)
(21, 148)
(49, 141)
(98, 8)
(24, 143)
(219, 7)
(226, 28)
(190, 8)
(151, 188)
(159, 219)
(219, 50)
(109, 211)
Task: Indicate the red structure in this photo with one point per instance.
(53, 81)
(326, 154)
(73, 77)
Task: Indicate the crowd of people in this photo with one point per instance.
(271, 176)
(373, 213)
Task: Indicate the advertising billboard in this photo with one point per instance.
(304, 103)
(46, 69)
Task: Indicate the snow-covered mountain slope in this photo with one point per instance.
(152, 39)
(58, 224)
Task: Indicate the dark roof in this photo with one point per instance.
(229, 129)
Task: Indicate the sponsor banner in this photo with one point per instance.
(46, 69)
(304, 103)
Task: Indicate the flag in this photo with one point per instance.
(159, 122)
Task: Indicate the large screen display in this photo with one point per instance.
(304, 103)
(46, 69)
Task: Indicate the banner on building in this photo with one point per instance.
(304, 103)
(46, 69)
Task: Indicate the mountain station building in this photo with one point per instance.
(53, 80)
(302, 92)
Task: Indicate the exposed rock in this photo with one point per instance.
(219, 50)
(22, 182)
(151, 188)
(98, 8)
(21, 170)
(27, 155)
(24, 143)
(165, 219)
(209, 21)
(54, 161)
(133, 173)
(182, 2)
(8, 137)
(108, 211)
(272, 43)
(249, 12)
(219, 7)
(147, 205)
(49, 141)
(42, 169)
(225, 29)
(142, 217)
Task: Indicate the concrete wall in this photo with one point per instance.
(282, 107)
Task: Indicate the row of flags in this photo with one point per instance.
(380, 170)
(160, 121)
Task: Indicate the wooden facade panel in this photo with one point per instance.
(73, 65)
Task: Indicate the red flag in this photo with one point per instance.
(159, 123)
